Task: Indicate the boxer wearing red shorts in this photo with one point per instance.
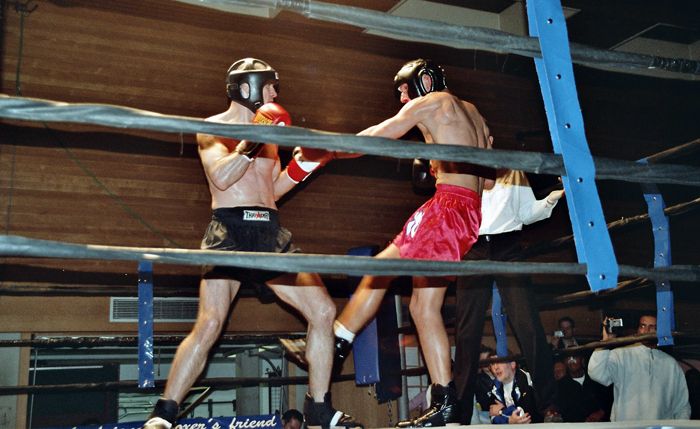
(444, 228)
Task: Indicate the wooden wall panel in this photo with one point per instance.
(90, 316)
(171, 58)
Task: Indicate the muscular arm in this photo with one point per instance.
(281, 182)
(408, 117)
(221, 167)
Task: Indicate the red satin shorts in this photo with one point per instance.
(444, 228)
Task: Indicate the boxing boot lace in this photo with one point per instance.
(323, 415)
(443, 410)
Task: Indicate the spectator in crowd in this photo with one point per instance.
(513, 396)
(483, 389)
(563, 338)
(559, 369)
(292, 419)
(649, 384)
(580, 399)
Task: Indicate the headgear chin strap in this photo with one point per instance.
(412, 74)
(256, 73)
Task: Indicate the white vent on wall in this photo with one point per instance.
(124, 309)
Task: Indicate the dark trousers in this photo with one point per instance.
(473, 295)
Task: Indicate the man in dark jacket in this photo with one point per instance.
(514, 396)
(580, 399)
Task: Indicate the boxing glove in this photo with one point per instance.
(321, 156)
(305, 161)
(272, 114)
(423, 179)
(267, 114)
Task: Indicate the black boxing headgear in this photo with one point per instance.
(256, 73)
(412, 74)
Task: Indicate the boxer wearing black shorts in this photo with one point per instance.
(245, 180)
(245, 229)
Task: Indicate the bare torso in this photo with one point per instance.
(254, 188)
(456, 122)
(443, 119)
(234, 181)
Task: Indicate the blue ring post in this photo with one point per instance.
(145, 366)
(665, 319)
(499, 323)
(556, 75)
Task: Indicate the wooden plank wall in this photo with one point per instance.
(171, 58)
(138, 188)
(115, 189)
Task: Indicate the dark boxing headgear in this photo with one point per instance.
(256, 73)
(412, 74)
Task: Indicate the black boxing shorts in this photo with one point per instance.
(246, 229)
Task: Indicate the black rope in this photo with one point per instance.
(473, 37)
(220, 383)
(159, 340)
(325, 264)
(553, 245)
(540, 163)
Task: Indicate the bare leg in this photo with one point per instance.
(426, 303)
(367, 299)
(312, 300)
(215, 297)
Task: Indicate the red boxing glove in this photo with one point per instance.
(267, 114)
(301, 167)
(272, 114)
(321, 156)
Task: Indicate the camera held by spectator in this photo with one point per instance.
(609, 323)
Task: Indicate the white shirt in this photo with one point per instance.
(649, 384)
(510, 204)
(508, 393)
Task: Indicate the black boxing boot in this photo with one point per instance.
(322, 415)
(163, 416)
(443, 410)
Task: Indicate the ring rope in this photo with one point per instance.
(624, 286)
(220, 383)
(471, 37)
(576, 297)
(553, 245)
(684, 149)
(230, 382)
(31, 109)
(129, 340)
(610, 343)
(327, 264)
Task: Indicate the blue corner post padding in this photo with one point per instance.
(376, 352)
(499, 323)
(556, 76)
(145, 366)
(365, 348)
(665, 318)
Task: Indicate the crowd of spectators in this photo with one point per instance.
(631, 382)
